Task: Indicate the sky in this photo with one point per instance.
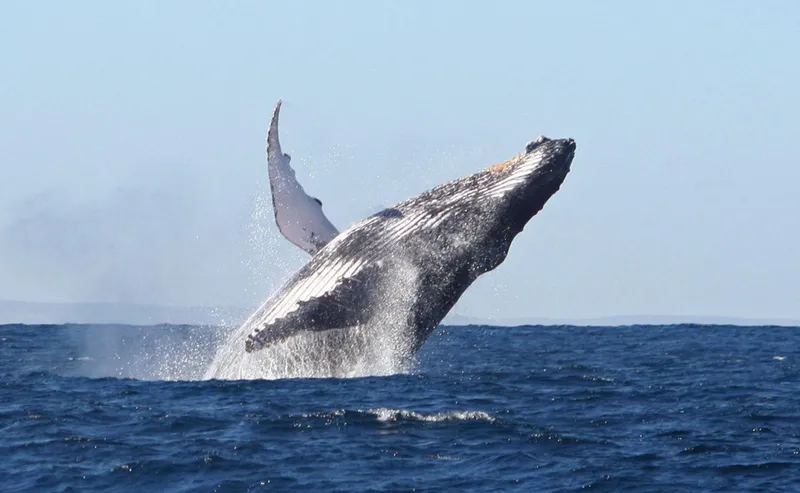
(132, 144)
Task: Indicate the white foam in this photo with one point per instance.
(388, 414)
(382, 346)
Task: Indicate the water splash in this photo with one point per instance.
(382, 346)
(161, 352)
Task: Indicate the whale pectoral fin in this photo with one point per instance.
(299, 216)
(347, 305)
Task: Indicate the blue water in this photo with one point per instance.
(665, 408)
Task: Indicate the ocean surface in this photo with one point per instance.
(642, 408)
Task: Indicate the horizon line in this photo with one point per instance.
(216, 314)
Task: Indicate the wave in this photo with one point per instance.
(385, 414)
(392, 415)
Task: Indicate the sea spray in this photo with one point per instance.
(381, 346)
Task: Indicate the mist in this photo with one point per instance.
(161, 243)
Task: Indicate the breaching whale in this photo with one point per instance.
(445, 237)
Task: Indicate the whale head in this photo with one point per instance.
(522, 185)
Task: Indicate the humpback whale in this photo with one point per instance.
(444, 239)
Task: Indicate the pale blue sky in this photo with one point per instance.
(131, 144)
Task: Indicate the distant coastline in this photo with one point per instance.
(620, 320)
(144, 314)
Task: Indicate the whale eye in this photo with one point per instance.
(530, 146)
(317, 201)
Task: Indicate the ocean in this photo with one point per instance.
(98, 408)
